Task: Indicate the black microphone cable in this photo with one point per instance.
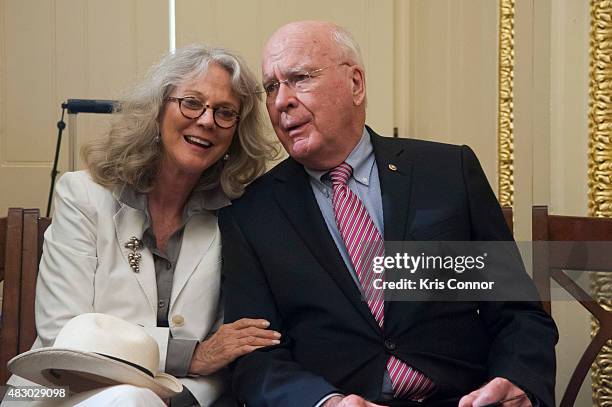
(61, 125)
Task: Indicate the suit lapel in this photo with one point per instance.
(395, 175)
(129, 222)
(296, 199)
(198, 236)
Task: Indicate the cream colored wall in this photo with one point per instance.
(569, 107)
(567, 186)
(552, 132)
(52, 50)
(551, 102)
(447, 72)
(431, 71)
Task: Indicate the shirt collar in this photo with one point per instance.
(199, 200)
(361, 159)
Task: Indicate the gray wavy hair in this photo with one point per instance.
(129, 153)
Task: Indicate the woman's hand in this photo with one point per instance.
(229, 342)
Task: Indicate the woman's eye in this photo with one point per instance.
(192, 103)
(226, 113)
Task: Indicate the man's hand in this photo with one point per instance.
(496, 390)
(349, 401)
(231, 341)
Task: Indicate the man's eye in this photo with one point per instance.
(271, 87)
(191, 103)
(300, 78)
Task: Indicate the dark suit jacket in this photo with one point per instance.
(280, 263)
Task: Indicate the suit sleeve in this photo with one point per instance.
(268, 376)
(523, 335)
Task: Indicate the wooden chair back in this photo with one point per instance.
(21, 238)
(549, 263)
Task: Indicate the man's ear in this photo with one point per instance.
(358, 85)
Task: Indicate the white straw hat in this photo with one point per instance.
(96, 350)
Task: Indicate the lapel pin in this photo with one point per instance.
(392, 167)
(134, 257)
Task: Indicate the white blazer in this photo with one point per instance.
(85, 268)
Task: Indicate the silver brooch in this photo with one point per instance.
(134, 257)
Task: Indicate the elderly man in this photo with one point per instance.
(290, 256)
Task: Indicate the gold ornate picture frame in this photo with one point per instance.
(600, 174)
(505, 116)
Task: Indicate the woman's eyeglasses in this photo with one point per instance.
(193, 108)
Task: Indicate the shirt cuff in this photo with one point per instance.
(324, 399)
(178, 357)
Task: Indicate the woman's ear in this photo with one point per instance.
(160, 117)
(358, 85)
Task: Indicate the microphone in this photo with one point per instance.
(90, 106)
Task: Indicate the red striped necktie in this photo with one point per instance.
(363, 243)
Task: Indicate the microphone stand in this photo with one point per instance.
(75, 106)
(61, 125)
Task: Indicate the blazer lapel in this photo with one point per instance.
(198, 236)
(129, 222)
(295, 197)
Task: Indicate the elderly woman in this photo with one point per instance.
(135, 235)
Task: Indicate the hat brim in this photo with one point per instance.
(82, 371)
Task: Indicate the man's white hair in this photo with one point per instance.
(348, 45)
